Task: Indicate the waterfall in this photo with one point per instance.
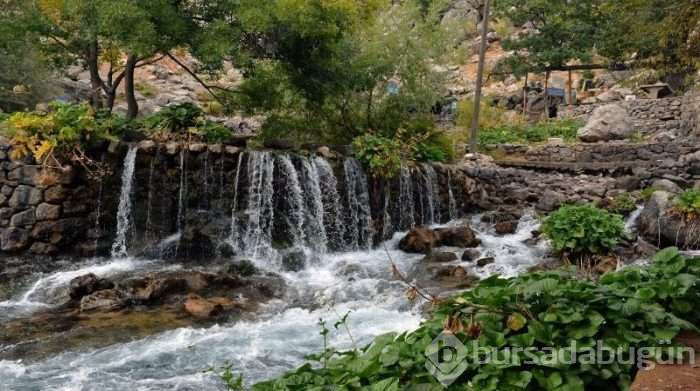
(293, 194)
(316, 231)
(183, 190)
(405, 209)
(206, 189)
(330, 198)
(149, 207)
(98, 215)
(452, 201)
(259, 212)
(358, 205)
(431, 194)
(235, 233)
(124, 212)
(387, 227)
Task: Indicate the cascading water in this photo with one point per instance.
(259, 212)
(296, 207)
(316, 231)
(183, 190)
(359, 212)
(452, 202)
(119, 249)
(330, 198)
(430, 193)
(405, 209)
(235, 235)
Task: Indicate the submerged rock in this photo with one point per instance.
(440, 257)
(506, 227)
(485, 261)
(202, 308)
(470, 255)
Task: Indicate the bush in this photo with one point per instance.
(582, 230)
(623, 205)
(647, 192)
(56, 137)
(184, 122)
(688, 202)
(634, 307)
(438, 148)
(380, 155)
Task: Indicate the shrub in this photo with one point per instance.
(634, 307)
(56, 137)
(582, 230)
(184, 122)
(437, 148)
(382, 156)
(688, 202)
(623, 205)
(647, 192)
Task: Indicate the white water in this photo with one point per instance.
(119, 249)
(405, 208)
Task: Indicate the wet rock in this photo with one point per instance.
(453, 277)
(104, 301)
(462, 236)
(202, 308)
(605, 265)
(420, 240)
(156, 288)
(40, 248)
(325, 152)
(470, 255)
(440, 257)
(485, 261)
(506, 227)
(200, 235)
(243, 268)
(607, 123)
(47, 211)
(645, 250)
(87, 284)
(25, 196)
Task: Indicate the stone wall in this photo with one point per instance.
(652, 117)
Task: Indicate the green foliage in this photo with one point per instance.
(380, 155)
(647, 192)
(582, 230)
(634, 307)
(60, 135)
(184, 122)
(688, 202)
(437, 148)
(622, 204)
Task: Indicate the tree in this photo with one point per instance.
(564, 31)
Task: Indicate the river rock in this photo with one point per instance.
(104, 301)
(470, 255)
(660, 225)
(485, 261)
(154, 288)
(462, 236)
(202, 308)
(420, 240)
(506, 227)
(609, 122)
(550, 201)
(87, 284)
(440, 257)
(667, 186)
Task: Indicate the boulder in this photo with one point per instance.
(550, 201)
(667, 186)
(86, 285)
(155, 288)
(22, 219)
(420, 240)
(506, 227)
(462, 236)
(13, 239)
(609, 122)
(660, 226)
(202, 308)
(104, 301)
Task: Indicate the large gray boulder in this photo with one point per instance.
(660, 226)
(609, 122)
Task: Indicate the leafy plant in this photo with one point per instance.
(623, 204)
(647, 192)
(634, 307)
(582, 230)
(382, 156)
(438, 148)
(54, 138)
(688, 202)
(184, 122)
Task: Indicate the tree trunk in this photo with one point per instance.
(129, 68)
(111, 97)
(479, 77)
(95, 79)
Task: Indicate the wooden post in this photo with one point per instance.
(571, 96)
(480, 76)
(525, 94)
